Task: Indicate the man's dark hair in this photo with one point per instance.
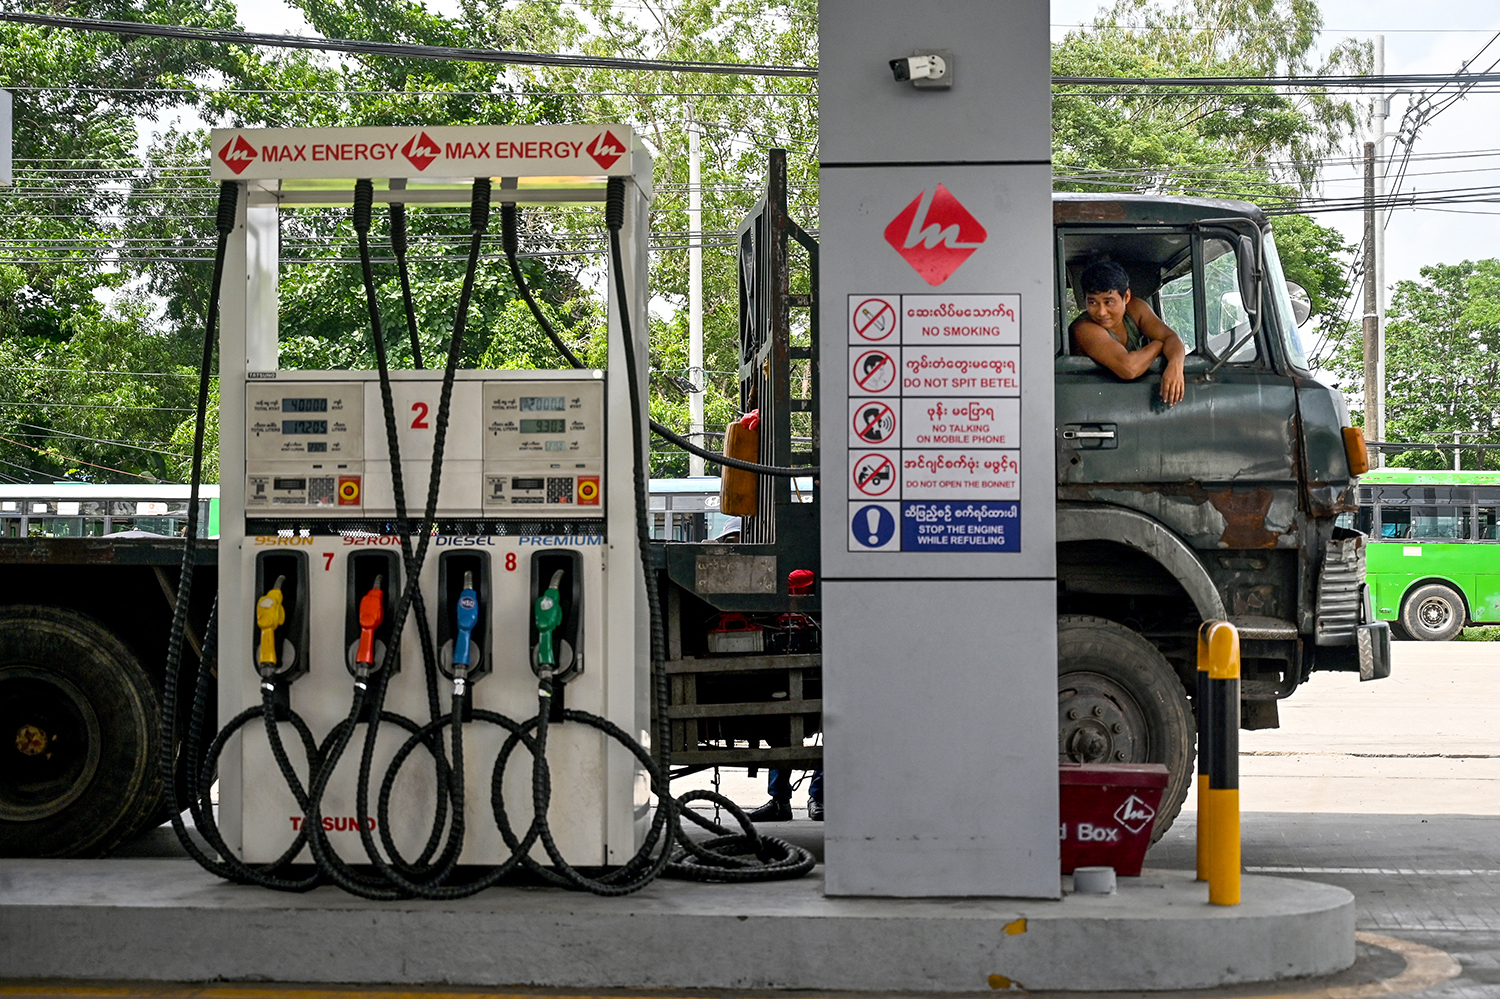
(1104, 275)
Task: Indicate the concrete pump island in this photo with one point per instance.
(436, 714)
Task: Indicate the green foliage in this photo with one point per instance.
(1442, 361)
(1257, 143)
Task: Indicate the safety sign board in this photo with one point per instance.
(943, 370)
(874, 372)
(931, 474)
(961, 421)
(961, 319)
(439, 152)
(874, 474)
(961, 527)
(872, 527)
(873, 319)
(934, 431)
(874, 422)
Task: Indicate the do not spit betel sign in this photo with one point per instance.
(934, 422)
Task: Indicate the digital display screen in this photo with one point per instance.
(544, 426)
(317, 447)
(304, 426)
(543, 404)
(527, 484)
(304, 405)
(556, 445)
(291, 485)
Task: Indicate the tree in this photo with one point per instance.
(72, 331)
(1259, 143)
(1442, 361)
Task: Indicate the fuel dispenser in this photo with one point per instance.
(434, 588)
(529, 473)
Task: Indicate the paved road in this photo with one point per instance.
(1390, 789)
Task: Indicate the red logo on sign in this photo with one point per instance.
(935, 234)
(606, 149)
(237, 154)
(421, 151)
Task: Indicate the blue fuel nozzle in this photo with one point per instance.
(468, 617)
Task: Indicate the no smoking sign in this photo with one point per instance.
(872, 318)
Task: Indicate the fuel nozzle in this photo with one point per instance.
(463, 640)
(371, 616)
(548, 617)
(270, 614)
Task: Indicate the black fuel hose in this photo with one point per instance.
(509, 226)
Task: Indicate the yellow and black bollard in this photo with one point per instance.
(1219, 761)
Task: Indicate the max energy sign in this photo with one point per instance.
(934, 388)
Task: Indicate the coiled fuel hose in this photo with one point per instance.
(665, 847)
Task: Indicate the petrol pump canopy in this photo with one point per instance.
(554, 155)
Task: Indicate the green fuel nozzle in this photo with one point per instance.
(548, 617)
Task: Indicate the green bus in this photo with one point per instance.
(1432, 564)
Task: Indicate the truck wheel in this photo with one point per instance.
(78, 731)
(1119, 701)
(1433, 613)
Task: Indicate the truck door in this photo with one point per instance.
(1219, 468)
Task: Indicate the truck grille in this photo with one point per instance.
(1341, 592)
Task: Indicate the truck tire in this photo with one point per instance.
(1119, 701)
(78, 732)
(1433, 612)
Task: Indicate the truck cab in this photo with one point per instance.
(1222, 506)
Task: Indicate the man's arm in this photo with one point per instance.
(1095, 341)
(1153, 329)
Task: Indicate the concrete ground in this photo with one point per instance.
(1388, 789)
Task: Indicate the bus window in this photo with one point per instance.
(1395, 522)
(1440, 523)
(1487, 526)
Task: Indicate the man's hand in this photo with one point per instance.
(1172, 382)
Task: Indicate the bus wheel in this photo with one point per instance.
(1433, 613)
(78, 731)
(1119, 701)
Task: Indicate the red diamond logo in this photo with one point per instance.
(421, 151)
(935, 234)
(605, 149)
(237, 154)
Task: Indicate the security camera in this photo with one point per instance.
(919, 67)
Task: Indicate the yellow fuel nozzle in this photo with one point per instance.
(270, 615)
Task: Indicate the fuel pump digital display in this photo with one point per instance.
(544, 426)
(304, 405)
(304, 426)
(543, 404)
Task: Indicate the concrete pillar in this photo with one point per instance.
(938, 541)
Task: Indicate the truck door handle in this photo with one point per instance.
(1090, 436)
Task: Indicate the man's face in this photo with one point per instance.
(1107, 307)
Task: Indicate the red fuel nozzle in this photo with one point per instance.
(371, 616)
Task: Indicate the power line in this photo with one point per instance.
(403, 50)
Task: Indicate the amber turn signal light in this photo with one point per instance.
(1354, 448)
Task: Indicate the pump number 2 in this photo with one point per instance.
(419, 417)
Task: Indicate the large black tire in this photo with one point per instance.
(1119, 701)
(78, 732)
(1433, 612)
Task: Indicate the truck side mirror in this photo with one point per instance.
(1249, 284)
(1301, 302)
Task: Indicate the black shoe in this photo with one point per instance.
(775, 810)
(815, 810)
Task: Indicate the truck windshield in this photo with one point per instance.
(1286, 319)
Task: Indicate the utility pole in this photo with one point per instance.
(1382, 111)
(5, 138)
(695, 300)
(1374, 386)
